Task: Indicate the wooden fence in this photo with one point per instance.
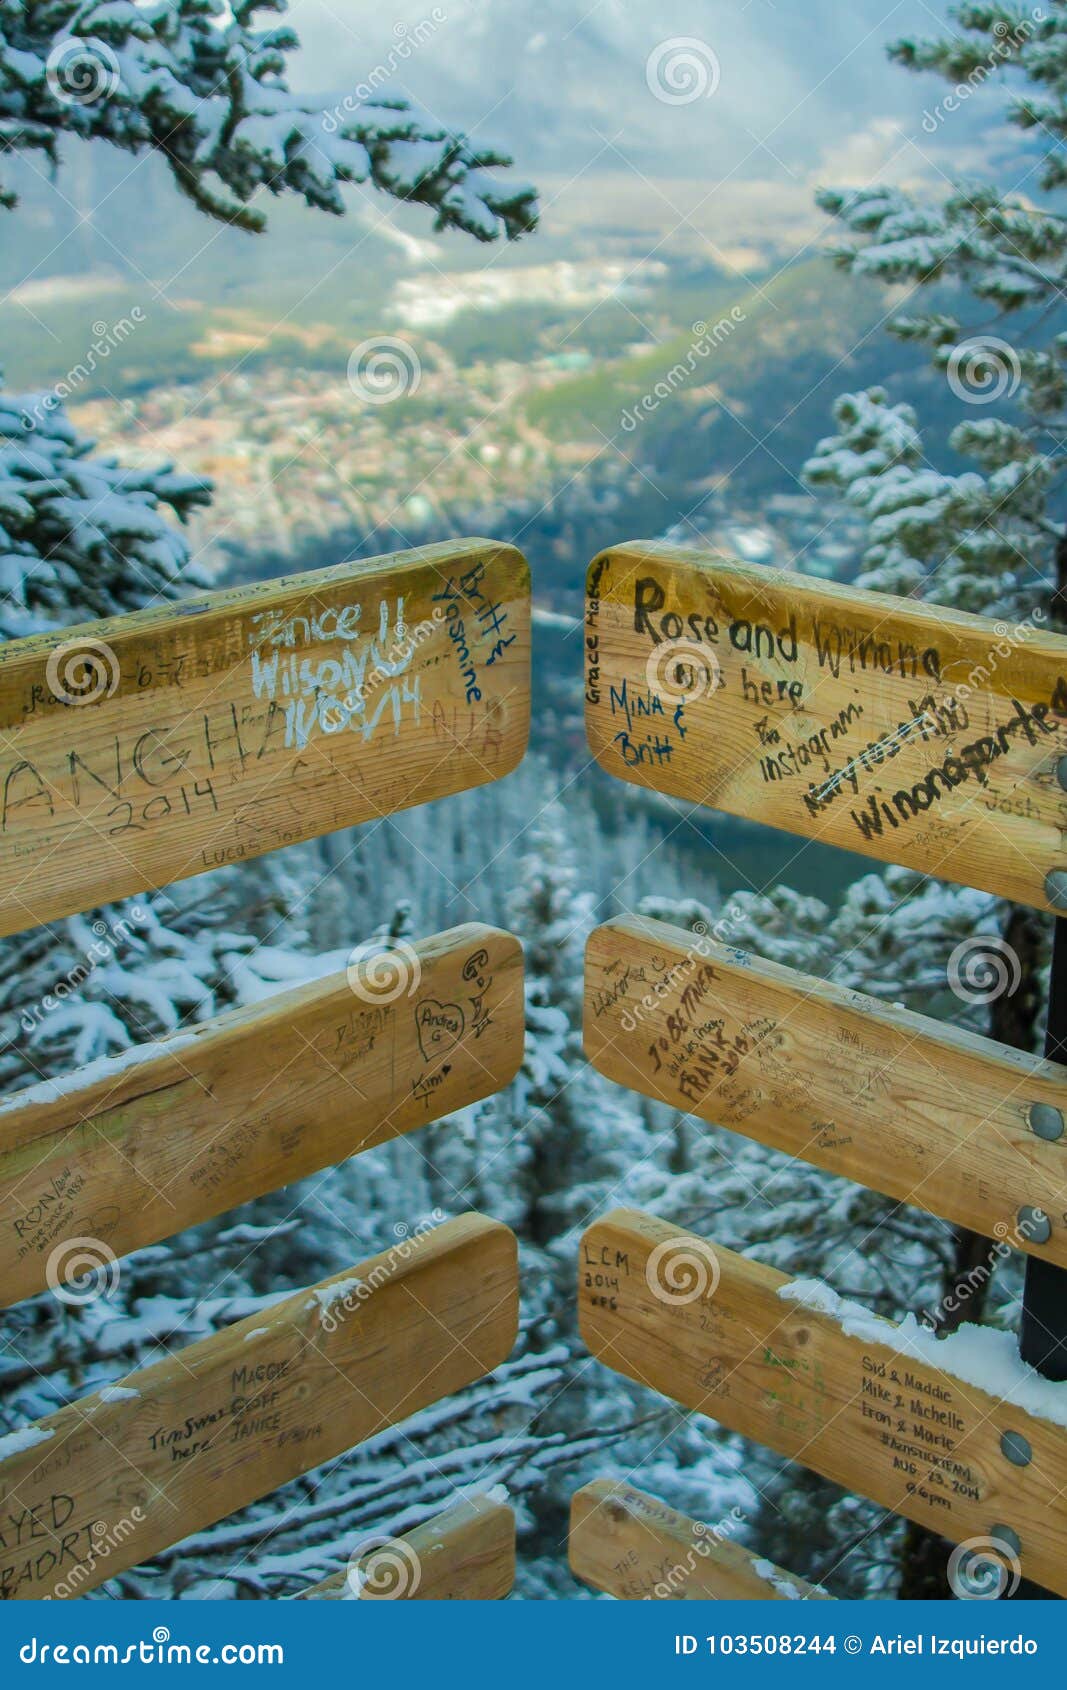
(170, 1450)
(633, 1546)
(133, 1150)
(465, 1553)
(146, 748)
(154, 746)
(917, 736)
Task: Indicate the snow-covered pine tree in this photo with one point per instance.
(990, 539)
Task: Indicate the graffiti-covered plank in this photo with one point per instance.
(130, 1150)
(633, 1546)
(464, 1554)
(918, 1109)
(958, 1435)
(145, 748)
(897, 729)
(113, 1478)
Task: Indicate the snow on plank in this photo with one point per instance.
(146, 748)
(956, 1434)
(633, 1546)
(896, 729)
(131, 1150)
(182, 1444)
(464, 1554)
(917, 1109)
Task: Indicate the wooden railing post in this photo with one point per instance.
(1043, 1334)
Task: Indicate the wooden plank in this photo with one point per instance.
(464, 1554)
(142, 749)
(130, 1151)
(897, 729)
(633, 1546)
(222, 1422)
(914, 1108)
(854, 1398)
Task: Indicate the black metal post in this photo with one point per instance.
(1043, 1337)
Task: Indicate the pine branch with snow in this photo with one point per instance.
(196, 82)
(992, 38)
(82, 537)
(981, 540)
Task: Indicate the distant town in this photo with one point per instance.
(296, 456)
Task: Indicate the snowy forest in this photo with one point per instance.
(964, 509)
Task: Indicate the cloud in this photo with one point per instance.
(550, 79)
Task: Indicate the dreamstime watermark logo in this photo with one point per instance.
(82, 1270)
(682, 1270)
(983, 969)
(159, 1651)
(1030, 1226)
(104, 1539)
(383, 1569)
(1009, 36)
(82, 672)
(682, 672)
(341, 1299)
(409, 37)
(79, 72)
(334, 716)
(672, 979)
(707, 337)
(984, 1569)
(381, 973)
(101, 950)
(706, 1539)
(681, 70)
(983, 370)
(107, 337)
(384, 368)
(1009, 639)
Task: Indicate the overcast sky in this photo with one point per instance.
(793, 94)
(794, 77)
(700, 126)
(823, 57)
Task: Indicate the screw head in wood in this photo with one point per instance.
(1009, 1538)
(1034, 1224)
(1016, 1449)
(1045, 1121)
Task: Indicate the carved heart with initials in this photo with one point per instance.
(439, 1026)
